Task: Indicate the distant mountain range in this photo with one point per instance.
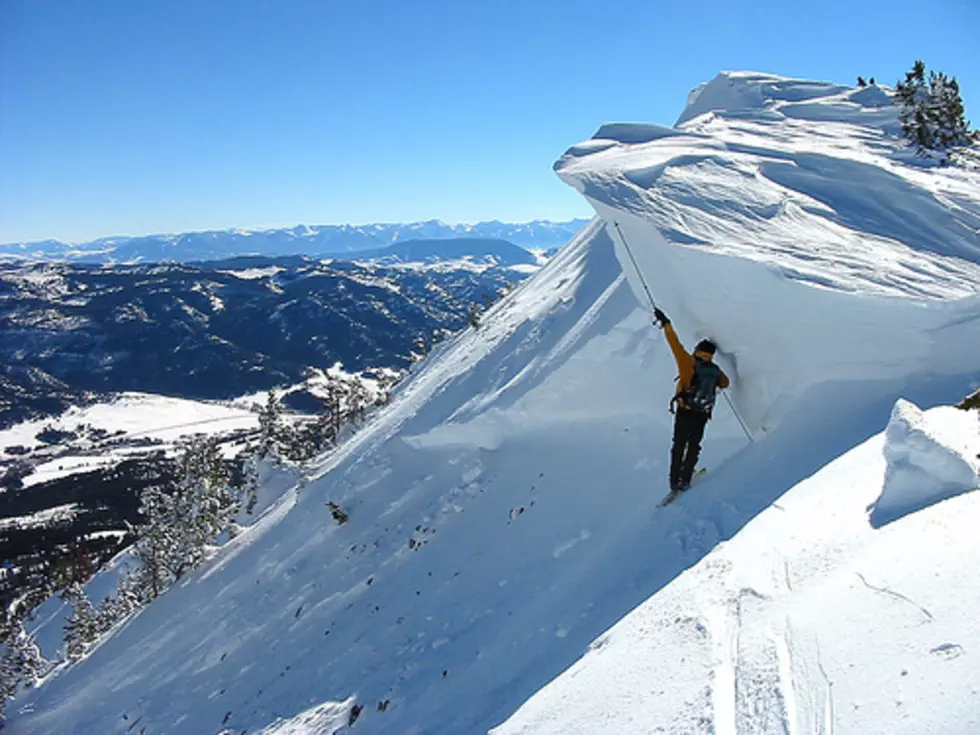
(474, 250)
(225, 328)
(316, 240)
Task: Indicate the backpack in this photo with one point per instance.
(700, 394)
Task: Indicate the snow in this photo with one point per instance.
(41, 518)
(503, 515)
(852, 262)
(249, 274)
(136, 415)
(930, 458)
(323, 719)
(130, 416)
(810, 620)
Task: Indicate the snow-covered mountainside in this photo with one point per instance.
(74, 481)
(316, 240)
(450, 253)
(503, 509)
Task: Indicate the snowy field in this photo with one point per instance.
(505, 565)
(106, 433)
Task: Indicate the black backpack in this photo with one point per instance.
(700, 394)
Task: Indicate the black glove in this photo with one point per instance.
(660, 316)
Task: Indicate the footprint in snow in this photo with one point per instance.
(948, 651)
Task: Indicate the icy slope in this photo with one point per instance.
(795, 203)
(486, 544)
(809, 621)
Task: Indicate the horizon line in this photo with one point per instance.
(263, 229)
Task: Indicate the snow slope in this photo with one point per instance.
(503, 510)
(103, 433)
(809, 621)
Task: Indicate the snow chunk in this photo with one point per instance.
(329, 717)
(931, 456)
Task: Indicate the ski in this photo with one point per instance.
(672, 495)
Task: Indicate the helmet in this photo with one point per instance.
(706, 345)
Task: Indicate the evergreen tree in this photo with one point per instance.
(179, 528)
(861, 82)
(155, 544)
(913, 93)
(81, 628)
(948, 114)
(932, 115)
(20, 664)
(474, 315)
(270, 426)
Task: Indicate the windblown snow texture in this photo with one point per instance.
(930, 458)
(502, 511)
(786, 220)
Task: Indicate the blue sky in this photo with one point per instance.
(149, 116)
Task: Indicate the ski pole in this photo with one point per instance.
(653, 304)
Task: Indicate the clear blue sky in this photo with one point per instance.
(140, 116)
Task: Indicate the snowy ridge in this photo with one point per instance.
(800, 207)
(503, 511)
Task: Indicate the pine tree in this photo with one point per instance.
(474, 315)
(154, 545)
(179, 528)
(357, 401)
(20, 664)
(81, 628)
(861, 82)
(335, 406)
(948, 114)
(204, 505)
(270, 426)
(914, 96)
(932, 113)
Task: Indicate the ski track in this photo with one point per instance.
(765, 679)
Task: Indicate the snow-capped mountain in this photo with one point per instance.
(503, 515)
(450, 253)
(224, 328)
(315, 240)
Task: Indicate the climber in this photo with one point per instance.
(698, 380)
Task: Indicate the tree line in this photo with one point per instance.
(183, 525)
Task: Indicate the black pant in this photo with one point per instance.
(688, 432)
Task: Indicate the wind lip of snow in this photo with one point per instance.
(820, 205)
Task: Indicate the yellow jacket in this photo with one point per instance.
(685, 361)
